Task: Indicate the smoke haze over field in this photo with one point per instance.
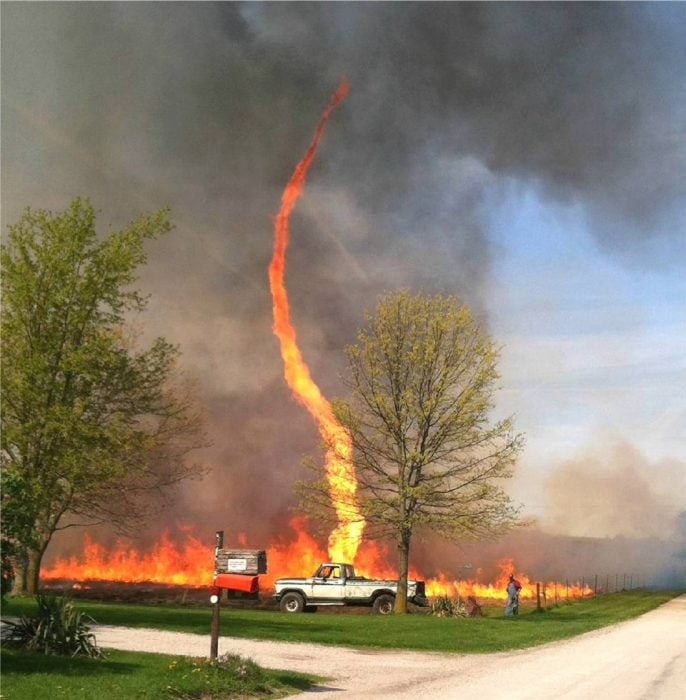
(611, 490)
(527, 157)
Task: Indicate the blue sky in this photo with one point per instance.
(591, 346)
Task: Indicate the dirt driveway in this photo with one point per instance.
(642, 659)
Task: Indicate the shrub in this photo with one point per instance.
(448, 607)
(57, 628)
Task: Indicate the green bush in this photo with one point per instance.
(220, 678)
(448, 607)
(56, 628)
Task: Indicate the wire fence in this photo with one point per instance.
(548, 594)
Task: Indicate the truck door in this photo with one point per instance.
(328, 585)
(351, 589)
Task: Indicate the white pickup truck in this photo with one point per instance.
(337, 584)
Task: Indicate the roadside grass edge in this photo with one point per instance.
(419, 632)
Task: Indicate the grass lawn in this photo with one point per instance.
(421, 632)
(129, 676)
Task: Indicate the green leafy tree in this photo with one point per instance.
(90, 424)
(422, 376)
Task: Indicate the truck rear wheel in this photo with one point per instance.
(292, 603)
(384, 604)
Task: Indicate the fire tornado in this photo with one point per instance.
(346, 537)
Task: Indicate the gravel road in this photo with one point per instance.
(641, 659)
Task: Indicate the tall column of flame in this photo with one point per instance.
(345, 539)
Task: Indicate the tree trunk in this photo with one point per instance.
(20, 570)
(27, 574)
(403, 564)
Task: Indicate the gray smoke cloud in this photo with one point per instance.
(614, 490)
(207, 107)
(627, 509)
(610, 515)
(611, 563)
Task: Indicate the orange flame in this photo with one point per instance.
(190, 563)
(443, 585)
(345, 539)
(187, 565)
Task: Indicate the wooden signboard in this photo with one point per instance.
(241, 561)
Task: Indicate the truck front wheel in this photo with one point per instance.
(383, 605)
(292, 603)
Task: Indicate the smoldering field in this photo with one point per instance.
(454, 108)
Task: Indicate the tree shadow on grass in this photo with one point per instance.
(295, 680)
(18, 662)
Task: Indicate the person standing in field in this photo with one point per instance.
(513, 588)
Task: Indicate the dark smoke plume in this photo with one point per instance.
(208, 106)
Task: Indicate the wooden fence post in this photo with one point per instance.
(595, 585)
(538, 596)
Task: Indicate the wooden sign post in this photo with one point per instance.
(237, 571)
(214, 600)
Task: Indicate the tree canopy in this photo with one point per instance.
(90, 423)
(422, 376)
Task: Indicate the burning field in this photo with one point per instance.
(188, 564)
(187, 560)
